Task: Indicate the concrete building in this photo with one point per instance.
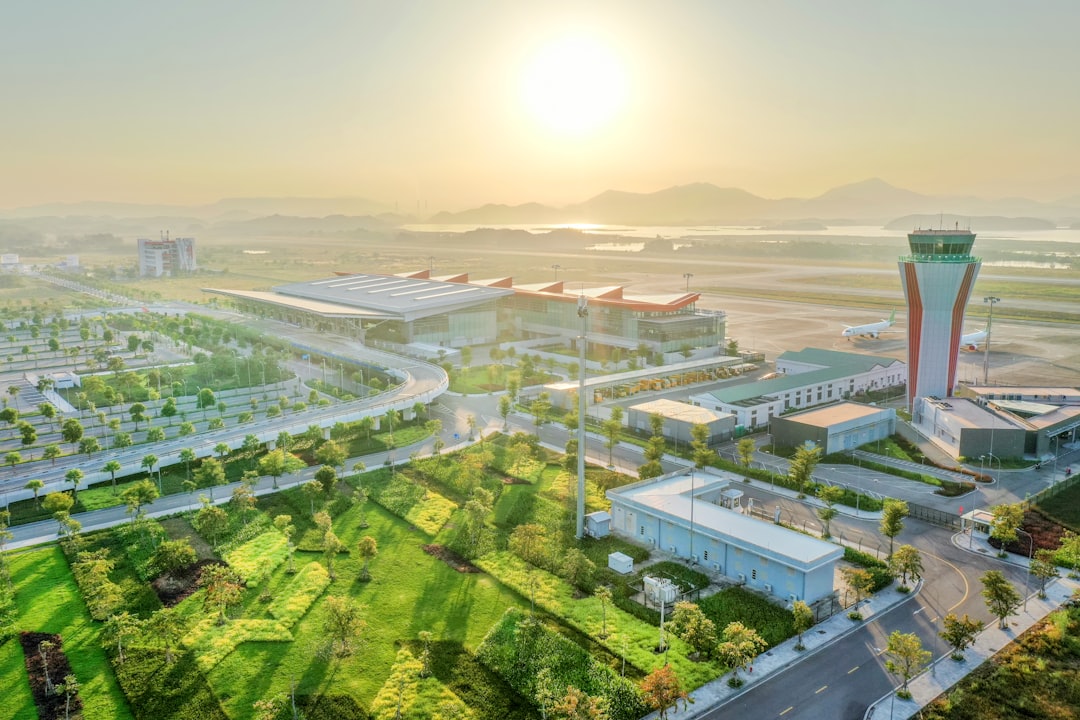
(808, 377)
(937, 277)
(1051, 415)
(835, 428)
(679, 418)
(166, 256)
(963, 428)
(683, 514)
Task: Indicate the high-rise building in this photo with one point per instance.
(166, 256)
(937, 278)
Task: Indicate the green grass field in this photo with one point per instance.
(49, 601)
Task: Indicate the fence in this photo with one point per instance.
(1055, 489)
(934, 516)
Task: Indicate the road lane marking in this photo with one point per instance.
(967, 588)
(852, 669)
(785, 712)
(934, 619)
(820, 689)
(918, 611)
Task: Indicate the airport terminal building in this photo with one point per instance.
(417, 310)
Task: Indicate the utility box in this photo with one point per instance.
(620, 563)
(598, 524)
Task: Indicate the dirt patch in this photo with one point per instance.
(178, 528)
(514, 481)
(451, 558)
(49, 705)
(172, 588)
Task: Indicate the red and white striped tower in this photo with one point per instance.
(937, 278)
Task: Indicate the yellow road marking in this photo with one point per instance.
(820, 689)
(967, 588)
(852, 669)
(785, 712)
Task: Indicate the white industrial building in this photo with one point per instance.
(680, 418)
(808, 377)
(835, 428)
(698, 516)
(165, 256)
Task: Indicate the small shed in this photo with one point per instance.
(598, 524)
(620, 563)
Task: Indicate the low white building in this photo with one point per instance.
(835, 428)
(680, 418)
(808, 377)
(682, 514)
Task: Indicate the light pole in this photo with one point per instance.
(583, 313)
(989, 328)
(556, 267)
(691, 515)
(688, 276)
(1031, 553)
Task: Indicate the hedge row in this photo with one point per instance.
(879, 569)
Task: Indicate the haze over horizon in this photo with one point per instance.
(445, 106)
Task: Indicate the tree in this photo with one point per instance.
(1001, 597)
(689, 623)
(960, 633)
(577, 568)
(172, 555)
(186, 428)
(279, 462)
(860, 580)
(138, 414)
(210, 474)
(148, 462)
(210, 520)
(528, 542)
(283, 441)
(117, 629)
(1005, 523)
(47, 411)
(284, 525)
(155, 434)
(367, 549)
(205, 399)
(327, 477)
(250, 447)
(166, 626)
(168, 410)
(703, 454)
(332, 545)
(71, 430)
(111, 467)
(802, 619)
(187, 456)
(122, 440)
(28, 433)
(662, 691)
(505, 406)
(51, 452)
(539, 408)
(74, 476)
(9, 415)
(830, 495)
(36, 486)
(906, 657)
(313, 489)
(612, 428)
(893, 513)
(12, 458)
(343, 623)
(906, 561)
(223, 588)
(222, 449)
(331, 453)
(603, 594)
(801, 467)
(579, 705)
(738, 646)
(243, 500)
(58, 504)
(137, 495)
(745, 449)
(1043, 568)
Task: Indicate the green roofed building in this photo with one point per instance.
(805, 378)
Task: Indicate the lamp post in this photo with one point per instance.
(556, 267)
(688, 276)
(1031, 553)
(583, 313)
(691, 515)
(989, 328)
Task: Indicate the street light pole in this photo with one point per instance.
(556, 267)
(1031, 553)
(688, 276)
(691, 515)
(989, 328)
(583, 313)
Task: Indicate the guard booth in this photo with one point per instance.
(978, 519)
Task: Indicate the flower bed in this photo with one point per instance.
(300, 594)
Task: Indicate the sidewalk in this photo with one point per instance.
(945, 672)
(779, 658)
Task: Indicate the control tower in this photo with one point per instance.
(937, 278)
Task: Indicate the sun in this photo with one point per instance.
(574, 86)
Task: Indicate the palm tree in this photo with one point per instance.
(36, 486)
(111, 467)
(74, 476)
(148, 462)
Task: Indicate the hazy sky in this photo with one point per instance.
(455, 103)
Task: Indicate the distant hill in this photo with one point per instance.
(232, 208)
(291, 225)
(976, 224)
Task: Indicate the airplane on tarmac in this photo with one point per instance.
(971, 340)
(869, 329)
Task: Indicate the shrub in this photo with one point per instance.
(258, 557)
(301, 592)
(176, 691)
(879, 569)
(212, 643)
(408, 693)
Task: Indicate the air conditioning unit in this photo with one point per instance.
(768, 587)
(672, 549)
(716, 567)
(792, 597)
(742, 577)
(693, 559)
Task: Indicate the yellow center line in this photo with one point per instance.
(852, 669)
(967, 588)
(820, 689)
(785, 712)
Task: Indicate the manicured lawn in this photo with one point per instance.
(1064, 507)
(49, 601)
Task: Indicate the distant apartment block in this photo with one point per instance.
(166, 256)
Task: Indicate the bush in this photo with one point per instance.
(879, 569)
(485, 692)
(258, 557)
(773, 623)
